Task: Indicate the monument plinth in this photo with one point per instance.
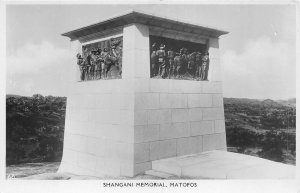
(146, 88)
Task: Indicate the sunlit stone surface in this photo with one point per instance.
(224, 165)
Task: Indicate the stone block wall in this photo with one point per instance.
(177, 117)
(118, 132)
(99, 132)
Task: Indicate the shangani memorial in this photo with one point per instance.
(145, 88)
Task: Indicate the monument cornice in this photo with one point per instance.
(102, 34)
(178, 35)
(145, 19)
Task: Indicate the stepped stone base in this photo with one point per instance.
(224, 165)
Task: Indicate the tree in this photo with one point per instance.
(272, 147)
(34, 128)
(240, 138)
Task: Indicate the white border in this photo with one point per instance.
(209, 186)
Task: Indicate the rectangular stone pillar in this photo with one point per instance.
(74, 74)
(136, 52)
(137, 68)
(214, 57)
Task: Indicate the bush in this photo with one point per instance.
(272, 147)
(241, 138)
(34, 128)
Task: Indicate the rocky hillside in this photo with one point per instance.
(34, 128)
(263, 128)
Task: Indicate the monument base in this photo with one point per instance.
(118, 127)
(223, 165)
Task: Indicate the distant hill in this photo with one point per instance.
(289, 102)
(270, 103)
(242, 100)
(13, 95)
(266, 113)
(265, 103)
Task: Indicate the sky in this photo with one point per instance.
(258, 56)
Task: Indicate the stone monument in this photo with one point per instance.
(147, 88)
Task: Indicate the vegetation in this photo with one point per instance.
(262, 128)
(34, 128)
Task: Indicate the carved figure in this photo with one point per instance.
(115, 42)
(116, 54)
(109, 60)
(171, 56)
(177, 64)
(198, 64)
(191, 67)
(205, 65)
(177, 61)
(161, 61)
(87, 63)
(81, 67)
(104, 64)
(184, 61)
(93, 64)
(97, 73)
(154, 61)
(181, 62)
(119, 60)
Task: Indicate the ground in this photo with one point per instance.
(206, 165)
(29, 169)
(47, 171)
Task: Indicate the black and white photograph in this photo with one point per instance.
(151, 94)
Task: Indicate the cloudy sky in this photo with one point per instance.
(258, 56)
